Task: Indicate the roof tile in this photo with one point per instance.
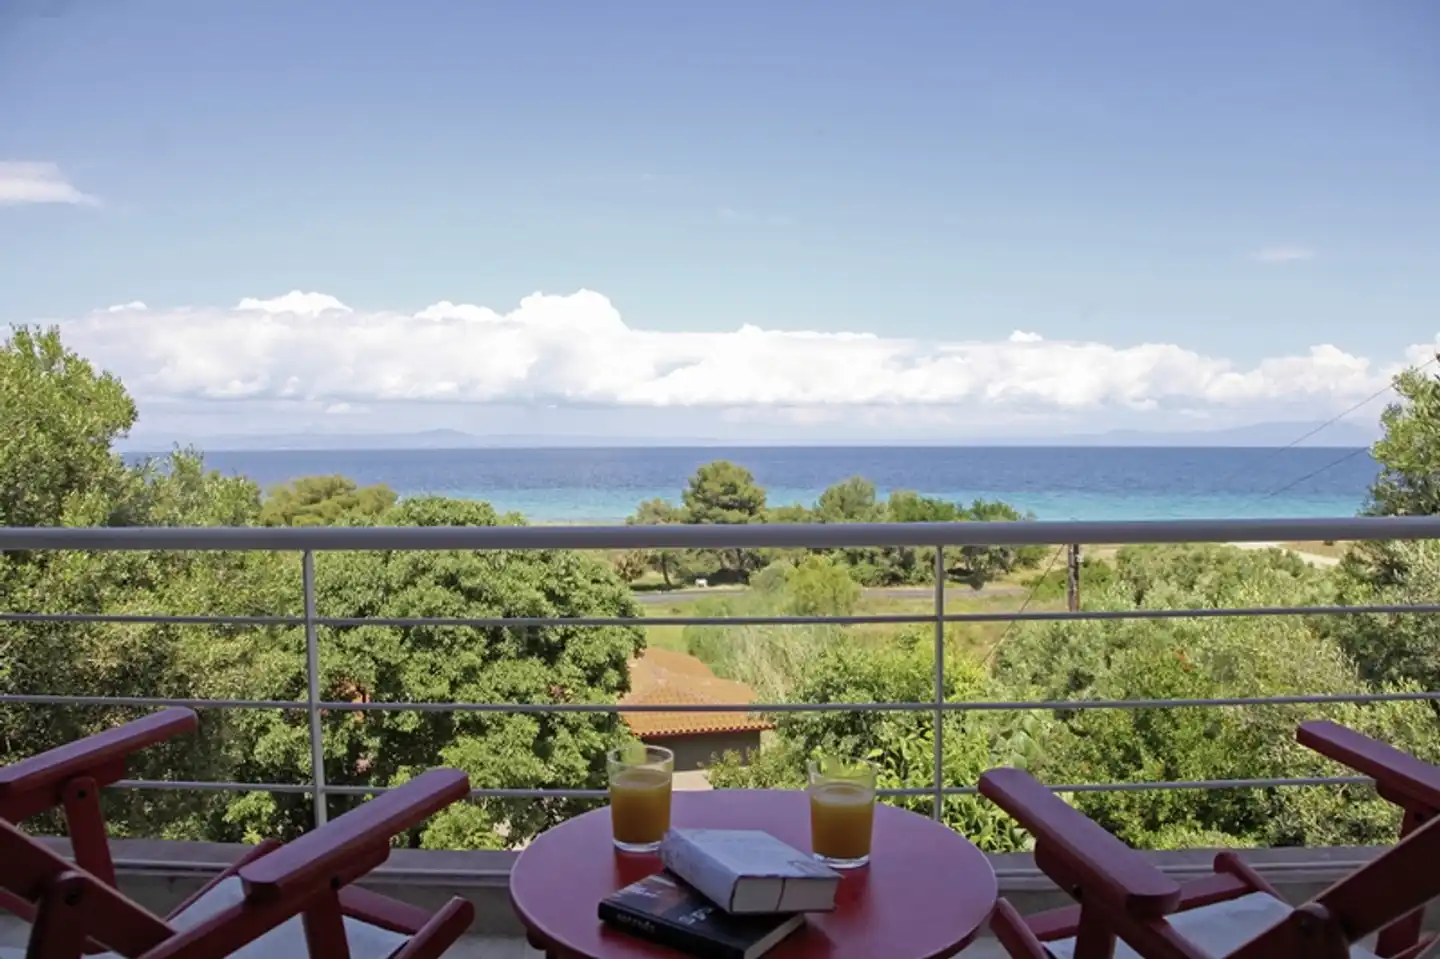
(660, 677)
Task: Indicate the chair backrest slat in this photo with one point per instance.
(1393, 884)
(26, 869)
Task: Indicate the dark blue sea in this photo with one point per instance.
(604, 485)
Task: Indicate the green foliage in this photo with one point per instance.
(631, 564)
(324, 501)
(1409, 450)
(1095, 574)
(58, 418)
(673, 565)
(1205, 658)
(1394, 648)
(374, 663)
(849, 501)
(1399, 648)
(821, 587)
(900, 743)
(724, 493)
(773, 659)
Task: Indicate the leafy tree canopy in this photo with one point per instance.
(1409, 450)
(448, 664)
(58, 418)
(324, 501)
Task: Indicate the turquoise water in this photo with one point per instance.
(1090, 483)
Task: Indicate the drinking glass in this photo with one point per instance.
(842, 811)
(640, 783)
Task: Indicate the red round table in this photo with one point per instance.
(925, 894)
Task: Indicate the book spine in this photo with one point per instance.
(666, 934)
(691, 863)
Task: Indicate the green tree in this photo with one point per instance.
(452, 664)
(851, 500)
(671, 564)
(1399, 648)
(58, 420)
(973, 565)
(818, 586)
(324, 501)
(631, 564)
(1392, 648)
(789, 513)
(1409, 450)
(725, 493)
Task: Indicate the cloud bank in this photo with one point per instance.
(576, 350)
(24, 182)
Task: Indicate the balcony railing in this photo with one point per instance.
(310, 540)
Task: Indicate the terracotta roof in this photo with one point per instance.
(661, 677)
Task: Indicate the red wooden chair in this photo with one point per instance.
(1409, 783)
(279, 900)
(1234, 913)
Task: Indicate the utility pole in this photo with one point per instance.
(1072, 579)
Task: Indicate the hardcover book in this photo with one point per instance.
(663, 910)
(746, 871)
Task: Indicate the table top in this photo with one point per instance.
(925, 894)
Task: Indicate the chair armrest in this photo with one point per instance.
(1102, 865)
(360, 839)
(1399, 776)
(100, 757)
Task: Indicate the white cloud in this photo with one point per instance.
(577, 351)
(33, 182)
(304, 304)
(1283, 254)
(132, 306)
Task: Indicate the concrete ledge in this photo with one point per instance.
(161, 873)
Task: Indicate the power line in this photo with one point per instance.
(1323, 426)
(1025, 605)
(1271, 454)
(1314, 473)
(1350, 455)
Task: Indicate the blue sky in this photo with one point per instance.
(1243, 180)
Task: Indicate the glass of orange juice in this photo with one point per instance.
(842, 811)
(640, 783)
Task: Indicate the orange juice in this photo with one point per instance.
(640, 804)
(842, 815)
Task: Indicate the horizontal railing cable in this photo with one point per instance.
(533, 622)
(720, 536)
(42, 699)
(914, 791)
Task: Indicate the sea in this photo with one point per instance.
(603, 485)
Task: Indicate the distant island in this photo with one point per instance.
(1338, 435)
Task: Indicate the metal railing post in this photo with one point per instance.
(312, 678)
(939, 683)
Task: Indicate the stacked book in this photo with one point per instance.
(724, 894)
